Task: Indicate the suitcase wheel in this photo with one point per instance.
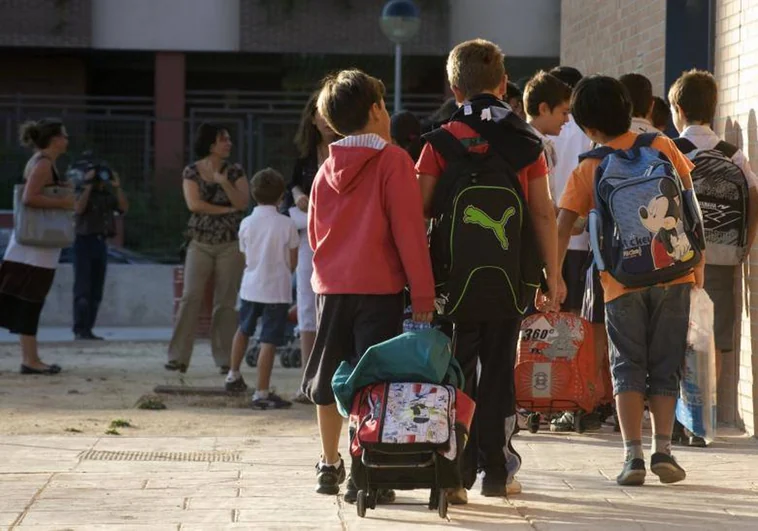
(578, 424)
(442, 504)
(252, 355)
(533, 422)
(361, 503)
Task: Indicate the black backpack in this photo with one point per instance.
(722, 191)
(485, 258)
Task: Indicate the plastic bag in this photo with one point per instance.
(696, 407)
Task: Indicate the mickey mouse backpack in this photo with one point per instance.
(645, 229)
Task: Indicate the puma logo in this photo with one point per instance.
(474, 216)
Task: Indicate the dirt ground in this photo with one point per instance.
(103, 382)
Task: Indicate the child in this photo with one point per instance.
(477, 77)
(514, 97)
(647, 327)
(269, 241)
(406, 133)
(693, 99)
(547, 100)
(366, 227)
(661, 115)
(641, 92)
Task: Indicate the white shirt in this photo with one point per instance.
(569, 144)
(703, 137)
(266, 238)
(642, 125)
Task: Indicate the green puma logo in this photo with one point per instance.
(475, 216)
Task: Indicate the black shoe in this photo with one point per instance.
(51, 369)
(697, 442)
(633, 473)
(493, 486)
(273, 401)
(383, 496)
(87, 336)
(563, 424)
(591, 422)
(174, 365)
(330, 478)
(235, 386)
(666, 468)
(223, 370)
(678, 435)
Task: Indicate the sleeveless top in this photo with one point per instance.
(45, 257)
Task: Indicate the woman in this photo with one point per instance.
(312, 141)
(26, 272)
(217, 195)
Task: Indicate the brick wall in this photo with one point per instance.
(46, 23)
(335, 26)
(615, 37)
(736, 68)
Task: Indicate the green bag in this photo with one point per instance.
(420, 356)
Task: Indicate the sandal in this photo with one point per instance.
(174, 365)
(51, 369)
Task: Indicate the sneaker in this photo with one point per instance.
(563, 424)
(273, 401)
(235, 386)
(224, 369)
(457, 496)
(633, 474)
(678, 436)
(592, 422)
(697, 442)
(514, 487)
(383, 496)
(666, 468)
(330, 478)
(302, 398)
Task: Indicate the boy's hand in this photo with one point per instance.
(425, 317)
(700, 274)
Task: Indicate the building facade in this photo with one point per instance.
(661, 39)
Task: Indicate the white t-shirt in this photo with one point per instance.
(266, 238)
(569, 144)
(703, 137)
(641, 126)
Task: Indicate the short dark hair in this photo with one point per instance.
(568, 74)
(696, 93)
(661, 113)
(641, 91)
(545, 88)
(602, 103)
(346, 99)
(512, 90)
(405, 129)
(267, 186)
(205, 136)
(39, 134)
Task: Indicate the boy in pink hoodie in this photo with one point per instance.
(366, 227)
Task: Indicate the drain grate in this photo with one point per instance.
(207, 457)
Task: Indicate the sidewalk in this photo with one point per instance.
(55, 482)
(64, 335)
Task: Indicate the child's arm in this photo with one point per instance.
(542, 211)
(566, 221)
(427, 184)
(405, 213)
(312, 240)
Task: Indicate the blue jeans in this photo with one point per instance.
(647, 335)
(90, 263)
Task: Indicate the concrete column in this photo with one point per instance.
(170, 74)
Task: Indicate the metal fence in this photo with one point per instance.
(122, 132)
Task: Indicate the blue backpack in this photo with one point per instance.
(645, 229)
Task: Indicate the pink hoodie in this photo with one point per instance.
(366, 225)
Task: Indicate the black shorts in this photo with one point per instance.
(273, 319)
(347, 326)
(574, 273)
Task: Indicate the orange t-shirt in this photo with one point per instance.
(579, 197)
(431, 163)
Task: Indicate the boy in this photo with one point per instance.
(514, 97)
(641, 92)
(476, 74)
(647, 327)
(546, 101)
(366, 227)
(661, 115)
(269, 241)
(693, 99)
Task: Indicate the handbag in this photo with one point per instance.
(43, 227)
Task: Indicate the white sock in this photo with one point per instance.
(260, 395)
(233, 376)
(335, 465)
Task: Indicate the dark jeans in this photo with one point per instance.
(489, 448)
(90, 262)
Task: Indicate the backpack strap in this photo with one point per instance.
(726, 149)
(598, 153)
(446, 144)
(685, 145)
(645, 140)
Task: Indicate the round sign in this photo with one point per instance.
(400, 20)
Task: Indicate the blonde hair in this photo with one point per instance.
(475, 66)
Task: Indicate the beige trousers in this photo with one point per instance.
(226, 263)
